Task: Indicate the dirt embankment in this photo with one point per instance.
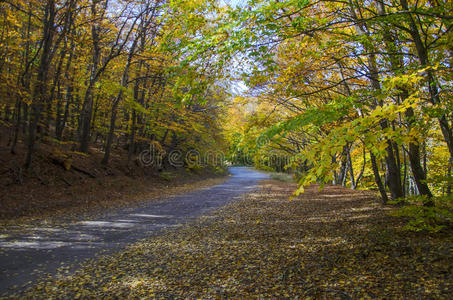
(74, 183)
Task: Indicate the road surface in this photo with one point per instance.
(25, 255)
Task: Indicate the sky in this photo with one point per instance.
(233, 3)
(236, 87)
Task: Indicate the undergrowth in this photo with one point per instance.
(422, 217)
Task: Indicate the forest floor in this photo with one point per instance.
(329, 244)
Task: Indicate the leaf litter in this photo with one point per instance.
(329, 244)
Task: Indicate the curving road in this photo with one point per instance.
(25, 255)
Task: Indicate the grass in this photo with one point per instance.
(284, 177)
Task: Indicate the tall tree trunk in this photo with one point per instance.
(16, 126)
(377, 178)
(40, 88)
(124, 84)
(25, 118)
(351, 170)
(343, 167)
(108, 145)
(131, 148)
(64, 118)
(87, 106)
(55, 89)
(396, 63)
(393, 173)
(414, 159)
(422, 54)
(85, 118)
(405, 172)
(413, 153)
(363, 168)
(449, 178)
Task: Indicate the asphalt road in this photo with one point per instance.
(27, 254)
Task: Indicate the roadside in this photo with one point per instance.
(78, 184)
(335, 244)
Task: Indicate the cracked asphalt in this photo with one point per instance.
(27, 254)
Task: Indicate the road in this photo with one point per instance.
(25, 255)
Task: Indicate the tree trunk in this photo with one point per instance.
(87, 106)
(414, 159)
(85, 119)
(40, 88)
(61, 120)
(377, 178)
(413, 153)
(422, 53)
(343, 167)
(363, 168)
(110, 135)
(131, 148)
(16, 126)
(351, 170)
(124, 84)
(393, 173)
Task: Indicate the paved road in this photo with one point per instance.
(25, 256)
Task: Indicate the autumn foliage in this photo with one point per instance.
(350, 92)
(354, 93)
(92, 75)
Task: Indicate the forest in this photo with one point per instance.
(82, 74)
(356, 93)
(226, 149)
